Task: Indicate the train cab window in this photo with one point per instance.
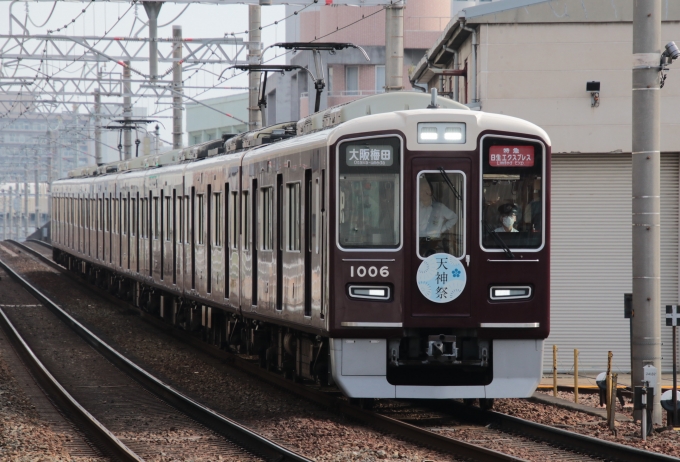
(200, 221)
(369, 194)
(266, 195)
(293, 202)
(441, 213)
(512, 194)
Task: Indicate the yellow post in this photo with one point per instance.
(612, 400)
(555, 370)
(609, 384)
(576, 375)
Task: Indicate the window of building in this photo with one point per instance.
(379, 79)
(352, 80)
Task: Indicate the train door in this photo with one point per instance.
(199, 220)
(125, 229)
(217, 273)
(234, 263)
(439, 203)
(156, 235)
(107, 227)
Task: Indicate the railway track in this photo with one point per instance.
(418, 422)
(127, 422)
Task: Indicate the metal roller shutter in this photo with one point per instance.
(591, 258)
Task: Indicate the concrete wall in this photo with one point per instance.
(538, 72)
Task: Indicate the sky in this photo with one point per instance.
(197, 21)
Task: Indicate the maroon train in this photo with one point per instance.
(393, 249)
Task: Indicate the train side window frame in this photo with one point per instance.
(245, 221)
(234, 220)
(133, 216)
(217, 221)
(200, 219)
(294, 216)
(266, 196)
(107, 205)
(168, 218)
(180, 219)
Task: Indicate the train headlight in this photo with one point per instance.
(370, 292)
(441, 133)
(510, 292)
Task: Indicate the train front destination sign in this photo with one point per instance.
(378, 155)
(511, 156)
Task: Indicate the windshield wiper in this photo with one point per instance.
(504, 246)
(448, 182)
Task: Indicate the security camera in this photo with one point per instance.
(672, 51)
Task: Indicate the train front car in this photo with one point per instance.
(439, 255)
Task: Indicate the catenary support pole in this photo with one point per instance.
(394, 47)
(4, 215)
(646, 221)
(26, 199)
(127, 112)
(97, 127)
(254, 56)
(177, 107)
(48, 191)
(11, 213)
(152, 10)
(36, 185)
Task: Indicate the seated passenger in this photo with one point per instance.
(508, 217)
(434, 219)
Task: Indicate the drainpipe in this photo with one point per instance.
(473, 77)
(455, 67)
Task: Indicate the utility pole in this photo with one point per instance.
(177, 87)
(394, 47)
(48, 190)
(26, 199)
(127, 112)
(152, 10)
(157, 134)
(646, 129)
(11, 215)
(97, 126)
(254, 57)
(37, 191)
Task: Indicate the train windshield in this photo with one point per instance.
(441, 213)
(369, 194)
(512, 194)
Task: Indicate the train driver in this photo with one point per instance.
(434, 219)
(508, 217)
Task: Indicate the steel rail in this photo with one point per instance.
(595, 447)
(101, 436)
(579, 443)
(387, 424)
(222, 425)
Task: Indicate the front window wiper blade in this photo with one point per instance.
(504, 246)
(448, 182)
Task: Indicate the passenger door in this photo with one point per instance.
(440, 207)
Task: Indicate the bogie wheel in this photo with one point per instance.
(486, 404)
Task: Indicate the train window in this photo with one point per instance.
(234, 220)
(293, 203)
(156, 219)
(266, 195)
(201, 224)
(369, 194)
(440, 213)
(106, 215)
(124, 217)
(100, 213)
(180, 221)
(512, 194)
(217, 203)
(168, 218)
(246, 221)
(133, 216)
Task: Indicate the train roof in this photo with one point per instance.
(291, 134)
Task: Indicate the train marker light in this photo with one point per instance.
(370, 292)
(510, 293)
(441, 133)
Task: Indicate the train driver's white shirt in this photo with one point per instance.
(435, 219)
(500, 229)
